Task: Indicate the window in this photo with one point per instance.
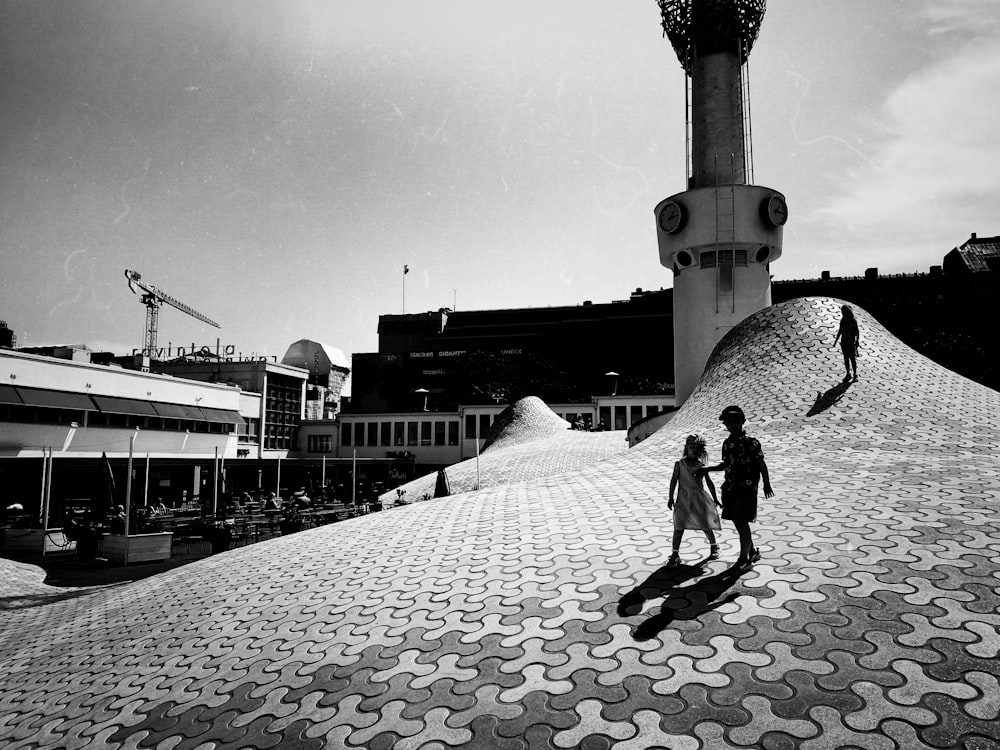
(385, 438)
(345, 433)
(724, 260)
(247, 432)
(319, 443)
(635, 414)
(439, 433)
(470, 426)
(620, 418)
(372, 434)
(605, 417)
(453, 432)
(710, 259)
(411, 433)
(484, 426)
(359, 433)
(397, 433)
(425, 433)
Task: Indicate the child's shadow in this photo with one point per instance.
(678, 603)
(825, 400)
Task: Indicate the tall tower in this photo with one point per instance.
(721, 234)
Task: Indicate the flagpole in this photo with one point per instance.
(406, 270)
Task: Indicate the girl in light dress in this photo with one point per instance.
(695, 508)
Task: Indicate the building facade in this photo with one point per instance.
(442, 360)
(71, 414)
(429, 440)
(282, 389)
(328, 370)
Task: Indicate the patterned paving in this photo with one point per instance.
(539, 614)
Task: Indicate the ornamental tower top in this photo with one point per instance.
(713, 40)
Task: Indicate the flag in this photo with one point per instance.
(406, 270)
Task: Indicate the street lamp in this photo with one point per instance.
(424, 391)
(613, 378)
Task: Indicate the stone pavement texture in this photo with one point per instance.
(539, 614)
(528, 441)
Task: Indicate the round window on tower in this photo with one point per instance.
(684, 259)
(763, 254)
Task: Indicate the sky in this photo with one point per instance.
(274, 164)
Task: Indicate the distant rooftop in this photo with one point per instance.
(980, 253)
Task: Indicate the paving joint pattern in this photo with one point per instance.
(540, 614)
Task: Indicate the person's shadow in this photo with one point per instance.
(679, 603)
(825, 400)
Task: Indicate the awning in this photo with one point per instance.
(8, 395)
(222, 415)
(115, 405)
(178, 411)
(55, 399)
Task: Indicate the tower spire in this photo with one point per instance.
(721, 234)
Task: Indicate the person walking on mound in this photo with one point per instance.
(695, 508)
(743, 462)
(849, 338)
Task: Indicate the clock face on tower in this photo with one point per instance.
(775, 210)
(671, 217)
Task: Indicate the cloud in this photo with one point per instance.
(938, 168)
(961, 16)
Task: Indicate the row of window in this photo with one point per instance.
(620, 417)
(46, 415)
(278, 437)
(282, 409)
(319, 443)
(712, 258)
(373, 434)
(477, 426)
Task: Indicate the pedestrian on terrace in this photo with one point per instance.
(743, 462)
(695, 508)
(849, 338)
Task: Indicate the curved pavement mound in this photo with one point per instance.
(525, 420)
(540, 615)
(527, 441)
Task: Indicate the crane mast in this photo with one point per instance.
(153, 298)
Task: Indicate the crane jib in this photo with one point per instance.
(152, 299)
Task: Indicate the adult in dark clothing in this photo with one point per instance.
(849, 338)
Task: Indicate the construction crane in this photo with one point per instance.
(152, 298)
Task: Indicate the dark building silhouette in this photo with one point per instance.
(7, 336)
(563, 354)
